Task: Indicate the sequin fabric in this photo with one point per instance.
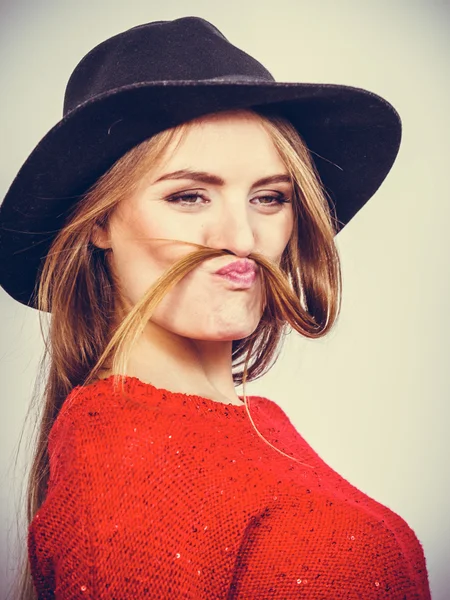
(176, 496)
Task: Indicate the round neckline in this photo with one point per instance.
(132, 383)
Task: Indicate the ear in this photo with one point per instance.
(100, 238)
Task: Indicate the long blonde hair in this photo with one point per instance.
(77, 286)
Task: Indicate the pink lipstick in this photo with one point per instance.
(239, 273)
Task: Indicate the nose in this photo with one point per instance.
(232, 231)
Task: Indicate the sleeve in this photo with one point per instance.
(59, 545)
(101, 533)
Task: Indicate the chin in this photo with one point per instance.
(232, 332)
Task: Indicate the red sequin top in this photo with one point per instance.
(176, 496)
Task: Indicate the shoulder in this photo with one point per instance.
(271, 410)
(97, 413)
(83, 402)
(276, 419)
(100, 396)
(270, 415)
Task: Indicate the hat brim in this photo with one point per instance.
(353, 136)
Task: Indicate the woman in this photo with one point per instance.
(179, 156)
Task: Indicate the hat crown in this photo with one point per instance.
(185, 49)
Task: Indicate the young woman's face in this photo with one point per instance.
(240, 214)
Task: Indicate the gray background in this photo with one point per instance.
(372, 397)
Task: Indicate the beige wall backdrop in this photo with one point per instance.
(372, 398)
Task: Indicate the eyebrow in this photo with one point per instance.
(204, 177)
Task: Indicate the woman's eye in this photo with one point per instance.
(189, 198)
(273, 199)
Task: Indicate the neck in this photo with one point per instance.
(180, 364)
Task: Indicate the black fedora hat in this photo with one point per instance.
(158, 75)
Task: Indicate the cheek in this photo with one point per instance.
(143, 237)
(159, 223)
(140, 259)
(275, 238)
(137, 261)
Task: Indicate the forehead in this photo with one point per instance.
(234, 145)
